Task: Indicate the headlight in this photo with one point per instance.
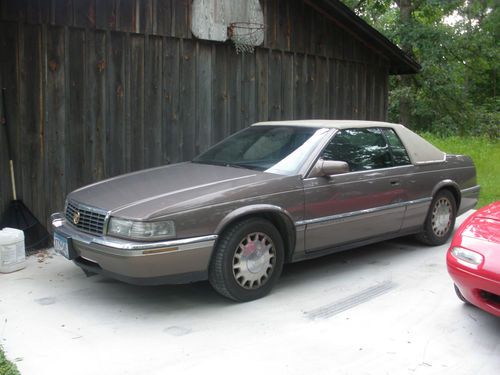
(469, 257)
(141, 230)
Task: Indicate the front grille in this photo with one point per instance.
(90, 220)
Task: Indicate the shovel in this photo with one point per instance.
(17, 215)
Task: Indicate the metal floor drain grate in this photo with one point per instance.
(347, 303)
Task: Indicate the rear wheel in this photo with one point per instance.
(248, 260)
(440, 219)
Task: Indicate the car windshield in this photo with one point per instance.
(273, 149)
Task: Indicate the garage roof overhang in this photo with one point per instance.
(344, 17)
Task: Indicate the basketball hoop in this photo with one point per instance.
(245, 35)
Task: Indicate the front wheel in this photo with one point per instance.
(247, 261)
(440, 219)
(460, 295)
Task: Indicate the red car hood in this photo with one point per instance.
(485, 224)
(483, 229)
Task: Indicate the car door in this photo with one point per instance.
(366, 202)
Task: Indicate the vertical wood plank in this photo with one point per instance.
(126, 15)
(296, 24)
(221, 97)
(311, 89)
(354, 78)
(262, 69)
(321, 82)
(333, 88)
(348, 87)
(287, 86)
(77, 146)
(338, 51)
(362, 92)
(105, 11)
(56, 118)
(136, 107)
(116, 115)
(188, 99)
(300, 77)
(30, 161)
(249, 90)
(271, 21)
(153, 81)
(84, 13)
(163, 16)
(180, 18)
(12, 10)
(384, 97)
(204, 100)
(145, 16)
(171, 70)
(341, 94)
(309, 29)
(34, 11)
(96, 73)
(62, 12)
(234, 92)
(275, 84)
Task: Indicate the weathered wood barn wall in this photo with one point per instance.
(95, 88)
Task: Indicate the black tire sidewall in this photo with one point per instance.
(228, 248)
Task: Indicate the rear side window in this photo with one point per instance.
(362, 149)
(398, 150)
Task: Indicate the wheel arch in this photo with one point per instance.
(452, 187)
(279, 217)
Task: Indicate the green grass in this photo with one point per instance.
(486, 156)
(7, 367)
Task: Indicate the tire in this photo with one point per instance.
(460, 295)
(440, 219)
(247, 261)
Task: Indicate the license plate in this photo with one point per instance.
(61, 245)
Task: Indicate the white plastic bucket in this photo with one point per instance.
(12, 254)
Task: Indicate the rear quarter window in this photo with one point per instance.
(399, 153)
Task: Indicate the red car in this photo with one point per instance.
(474, 259)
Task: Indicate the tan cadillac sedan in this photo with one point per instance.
(273, 193)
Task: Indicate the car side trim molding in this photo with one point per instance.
(473, 189)
(153, 245)
(362, 212)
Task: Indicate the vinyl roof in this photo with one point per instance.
(345, 18)
(336, 124)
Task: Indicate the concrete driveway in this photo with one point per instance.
(388, 308)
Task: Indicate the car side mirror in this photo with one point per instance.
(329, 167)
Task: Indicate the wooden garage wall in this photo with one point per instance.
(97, 88)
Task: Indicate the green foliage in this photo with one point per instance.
(485, 153)
(6, 367)
(457, 44)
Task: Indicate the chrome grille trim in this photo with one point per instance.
(92, 220)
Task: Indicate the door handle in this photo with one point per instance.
(395, 183)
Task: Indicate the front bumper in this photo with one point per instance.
(146, 263)
(478, 290)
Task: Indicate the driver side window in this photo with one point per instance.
(361, 149)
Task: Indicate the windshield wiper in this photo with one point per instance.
(224, 164)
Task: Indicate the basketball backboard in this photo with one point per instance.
(211, 19)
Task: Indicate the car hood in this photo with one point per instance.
(164, 190)
(491, 211)
(484, 224)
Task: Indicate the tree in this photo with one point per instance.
(456, 42)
